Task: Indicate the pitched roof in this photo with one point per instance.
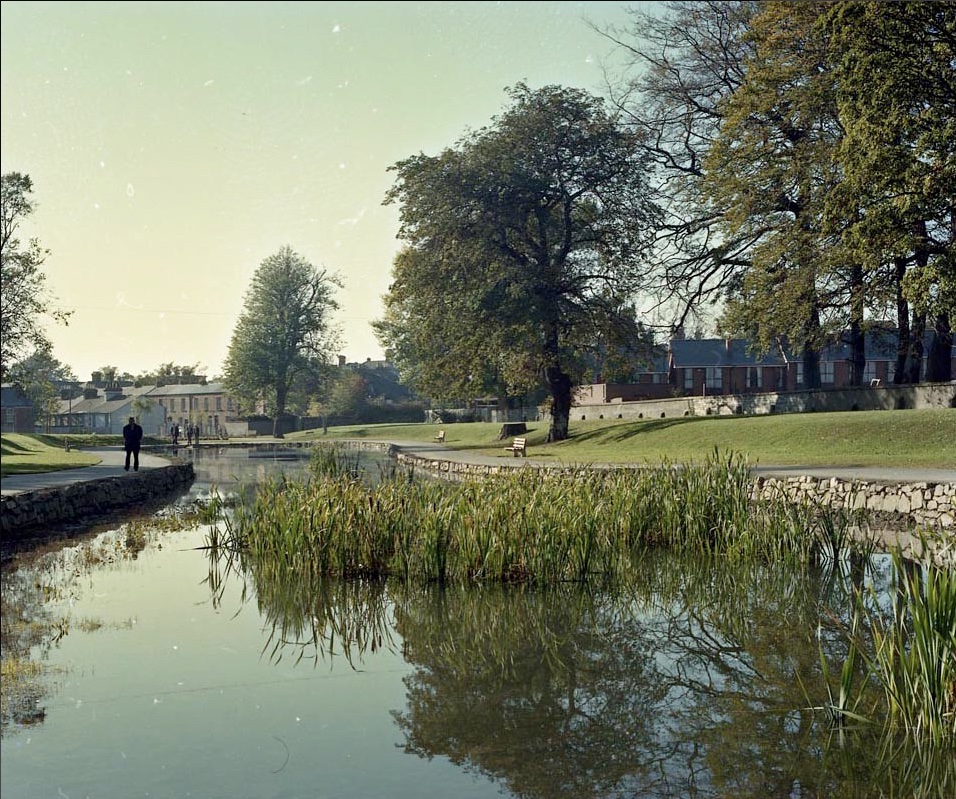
(186, 389)
(699, 353)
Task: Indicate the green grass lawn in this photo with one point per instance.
(26, 454)
(909, 438)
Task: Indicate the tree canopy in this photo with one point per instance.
(804, 158)
(285, 332)
(42, 377)
(523, 242)
(24, 299)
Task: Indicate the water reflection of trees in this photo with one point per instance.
(689, 681)
(26, 636)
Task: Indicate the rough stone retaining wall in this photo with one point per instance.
(931, 505)
(24, 514)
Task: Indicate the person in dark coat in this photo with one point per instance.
(132, 436)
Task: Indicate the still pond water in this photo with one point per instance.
(154, 671)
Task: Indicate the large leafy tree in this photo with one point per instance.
(771, 167)
(284, 333)
(24, 299)
(425, 333)
(898, 160)
(523, 241)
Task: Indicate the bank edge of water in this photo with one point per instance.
(24, 515)
(930, 508)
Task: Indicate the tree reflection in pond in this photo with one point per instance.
(688, 682)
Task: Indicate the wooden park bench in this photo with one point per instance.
(440, 438)
(518, 447)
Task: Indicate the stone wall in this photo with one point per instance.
(25, 514)
(925, 395)
(930, 505)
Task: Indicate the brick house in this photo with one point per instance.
(698, 367)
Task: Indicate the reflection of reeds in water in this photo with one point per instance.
(915, 654)
(524, 527)
(901, 665)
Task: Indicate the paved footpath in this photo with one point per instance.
(111, 464)
(870, 474)
(113, 458)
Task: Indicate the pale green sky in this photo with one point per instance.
(174, 146)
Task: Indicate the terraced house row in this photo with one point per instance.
(106, 408)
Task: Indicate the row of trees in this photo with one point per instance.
(791, 164)
(805, 156)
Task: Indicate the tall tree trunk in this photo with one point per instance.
(560, 386)
(811, 350)
(902, 324)
(280, 412)
(857, 340)
(811, 367)
(914, 355)
(914, 359)
(939, 364)
(857, 355)
(504, 414)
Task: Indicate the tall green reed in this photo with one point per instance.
(526, 526)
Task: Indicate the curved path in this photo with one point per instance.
(110, 465)
(112, 459)
(870, 474)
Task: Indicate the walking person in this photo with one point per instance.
(132, 436)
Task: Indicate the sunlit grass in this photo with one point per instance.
(908, 438)
(23, 454)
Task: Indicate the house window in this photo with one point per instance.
(688, 379)
(182, 404)
(218, 403)
(826, 372)
(754, 377)
(205, 403)
(799, 374)
(715, 377)
(659, 378)
(869, 372)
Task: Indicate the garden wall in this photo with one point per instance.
(924, 395)
(931, 505)
(26, 514)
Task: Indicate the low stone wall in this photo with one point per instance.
(23, 515)
(924, 395)
(930, 505)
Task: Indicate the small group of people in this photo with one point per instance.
(192, 433)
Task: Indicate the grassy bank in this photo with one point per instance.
(911, 438)
(26, 454)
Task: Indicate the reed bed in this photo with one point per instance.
(527, 526)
